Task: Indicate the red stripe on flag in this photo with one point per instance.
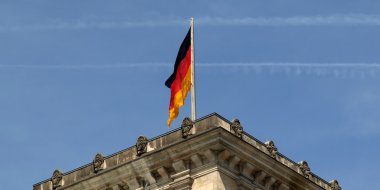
(180, 75)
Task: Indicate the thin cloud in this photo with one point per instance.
(334, 20)
(340, 70)
(359, 19)
(82, 24)
(86, 66)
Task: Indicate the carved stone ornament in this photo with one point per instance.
(304, 167)
(141, 145)
(98, 162)
(56, 179)
(272, 149)
(186, 127)
(236, 128)
(335, 185)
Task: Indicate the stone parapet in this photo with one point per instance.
(213, 154)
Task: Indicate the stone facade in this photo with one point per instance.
(211, 155)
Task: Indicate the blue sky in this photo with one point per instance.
(82, 77)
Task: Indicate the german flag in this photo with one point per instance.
(180, 81)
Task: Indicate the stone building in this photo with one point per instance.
(209, 153)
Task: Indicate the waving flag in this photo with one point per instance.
(180, 81)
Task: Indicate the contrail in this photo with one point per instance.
(85, 24)
(289, 64)
(343, 70)
(333, 20)
(201, 64)
(87, 66)
(340, 70)
(359, 19)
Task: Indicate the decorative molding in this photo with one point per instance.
(183, 183)
(233, 162)
(305, 169)
(236, 128)
(247, 169)
(210, 155)
(98, 162)
(56, 179)
(271, 147)
(149, 178)
(283, 187)
(179, 166)
(224, 155)
(335, 185)
(186, 126)
(120, 187)
(190, 159)
(163, 172)
(269, 181)
(196, 160)
(133, 183)
(141, 145)
(259, 176)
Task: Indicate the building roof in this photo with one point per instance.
(210, 135)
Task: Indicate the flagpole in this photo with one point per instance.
(193, 110)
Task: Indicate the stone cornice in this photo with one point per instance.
(172, 161)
